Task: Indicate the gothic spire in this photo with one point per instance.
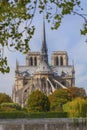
(44, 50)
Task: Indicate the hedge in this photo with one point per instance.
(21, 114)
(12, 115)
(48, 115)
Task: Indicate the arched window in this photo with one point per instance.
(56, 61)
(31, 61)
(61, 61)
(35, 61)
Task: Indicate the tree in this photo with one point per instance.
(4, 98)
(17, 13)
(58, 99)
(76, 108)
(38, 102)
(62, 96)
(76, 92)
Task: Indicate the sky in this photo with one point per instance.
(66, 38)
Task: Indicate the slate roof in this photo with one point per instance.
(62, 70)
(29, 69)
(44, 68)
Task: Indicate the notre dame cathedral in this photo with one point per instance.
(38, 74)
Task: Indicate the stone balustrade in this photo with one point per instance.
(44, 124)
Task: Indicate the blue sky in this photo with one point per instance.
(66, 38)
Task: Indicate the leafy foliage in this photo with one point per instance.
(76, 108)
(38, 102)
(62, 96)
(4, 98)
(10, 107)
(84, 31)
(16, 16)
(58, 98)
(3, 65)
(76, 92)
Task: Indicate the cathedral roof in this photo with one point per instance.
(43, 68)
(62, 70)
(29, 69)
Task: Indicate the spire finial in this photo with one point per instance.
(73, 74)
(73, 70)
(17, 64)
(44, 55)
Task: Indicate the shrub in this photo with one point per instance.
(10, 107)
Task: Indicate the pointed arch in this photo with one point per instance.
(31, 61)
(56, 61)
(61, 61)
(35, 61)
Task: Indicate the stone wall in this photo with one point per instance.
(44, 124)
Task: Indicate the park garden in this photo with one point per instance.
(63, 103)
